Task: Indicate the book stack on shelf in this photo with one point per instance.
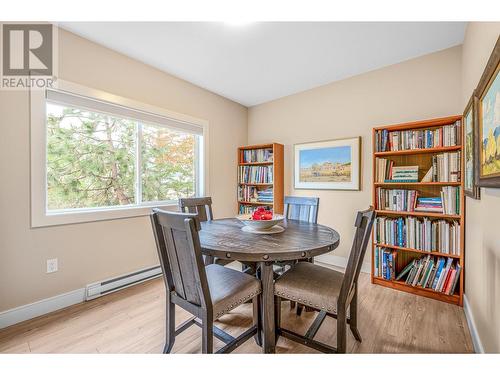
(429, 204)
(265, 195)
(260, 178)
(419, 200)
(438, 274)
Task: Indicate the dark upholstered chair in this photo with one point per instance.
(330, 292)
(202, 207)
(206, 292)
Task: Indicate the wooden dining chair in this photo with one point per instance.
(206, 292)
(302, 209)
(330, 292)
(202, 207)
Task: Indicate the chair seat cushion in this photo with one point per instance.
(229, 288)
(310, 285)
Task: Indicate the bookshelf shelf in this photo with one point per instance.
(256, 203)
(436, 253)
(433, 150)
(258, 163)
(418, 213)
(425, 292)
(417, 183)
(423, 157)
(249, 184)
(274, 166)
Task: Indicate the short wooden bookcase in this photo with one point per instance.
(422, 158)
(277, 179)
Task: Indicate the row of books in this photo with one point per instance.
(407, 200)
(258, 156)
(445, 136)
(450, 195)
(419, 233)
(445, 168)
(256, 174)
(386, 171)
(385, 263)
(396, 199)
(437, 273)
(244, 209)
(247, 193)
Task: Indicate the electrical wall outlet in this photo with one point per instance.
(52, 265)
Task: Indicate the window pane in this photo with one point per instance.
(90, 159)
(168, 168)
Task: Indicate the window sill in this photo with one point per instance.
(93, 215)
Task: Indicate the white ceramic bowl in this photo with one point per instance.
(260, 224)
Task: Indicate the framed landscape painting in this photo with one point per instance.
(470, 149)
(332, 165)
(488, 92)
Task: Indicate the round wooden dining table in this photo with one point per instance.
(224, 239)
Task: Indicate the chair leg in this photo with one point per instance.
(208, 259)
(277, 314)
(341, 331)
(353, 316)
(257, 320)
(169, 326)
(299, 309)
(207, 336)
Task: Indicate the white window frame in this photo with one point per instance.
(40, 216)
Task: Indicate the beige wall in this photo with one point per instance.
(94, 251)
(482, 281)
(421, 88)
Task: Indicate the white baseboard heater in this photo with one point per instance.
(114, 284)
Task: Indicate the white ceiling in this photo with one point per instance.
(258, 62)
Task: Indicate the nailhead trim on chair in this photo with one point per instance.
(234, 305)
(304, 302)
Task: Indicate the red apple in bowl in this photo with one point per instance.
(261, 219)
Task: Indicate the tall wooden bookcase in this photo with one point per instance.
(422, 158)
(277, 178)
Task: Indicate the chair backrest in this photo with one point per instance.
(363, 224)
(178, 245)
(302, 208)
(201, 206)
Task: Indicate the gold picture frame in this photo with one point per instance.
(488, 93)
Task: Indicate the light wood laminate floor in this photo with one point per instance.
(132, 321)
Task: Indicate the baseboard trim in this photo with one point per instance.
(48, 305)
(476, 340)
(42, 307)
(338, 261)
